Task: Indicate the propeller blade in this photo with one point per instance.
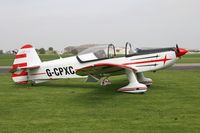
(177, 48)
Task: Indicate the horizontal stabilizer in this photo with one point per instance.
(14, 69)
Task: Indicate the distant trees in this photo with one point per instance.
(71, 50)
(55, 52)
(1, 51)
(74, 51)
(37, 50)
(41, 51)
(50, 49)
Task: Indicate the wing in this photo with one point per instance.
(103, 70)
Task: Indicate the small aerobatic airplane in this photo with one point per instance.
(96, 64)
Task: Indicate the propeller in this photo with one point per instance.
(177, 49)
(180, 51)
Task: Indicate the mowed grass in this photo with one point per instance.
(172, 104)
(190, 58)
(7, 60)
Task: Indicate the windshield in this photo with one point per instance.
(99, 51)
(93, 53)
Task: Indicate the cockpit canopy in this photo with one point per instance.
(109, 51)
(97, 53)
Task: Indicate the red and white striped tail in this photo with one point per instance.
(25, 58)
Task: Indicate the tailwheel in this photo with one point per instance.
(33, 83)
(105, 82)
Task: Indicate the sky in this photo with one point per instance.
(61, 23)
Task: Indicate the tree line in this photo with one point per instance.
(50, 50)
(43, 51)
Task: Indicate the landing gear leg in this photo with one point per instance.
(134, 86)
(142, 79)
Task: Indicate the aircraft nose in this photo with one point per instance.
(180, 52)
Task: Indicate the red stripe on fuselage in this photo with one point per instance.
(20, 74)
(20, 56)
(148, 61)
(37, 74)
(19, 65)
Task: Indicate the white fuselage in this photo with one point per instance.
(66, 67)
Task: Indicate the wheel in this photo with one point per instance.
(32, 83)
(148, 86)
(105, 82)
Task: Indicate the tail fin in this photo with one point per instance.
(26, 58)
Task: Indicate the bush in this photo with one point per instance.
(41, 51)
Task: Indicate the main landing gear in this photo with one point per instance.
(137, 82)
(134, 86)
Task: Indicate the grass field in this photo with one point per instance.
(172, 104)
(190, 58)
(7, 60)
